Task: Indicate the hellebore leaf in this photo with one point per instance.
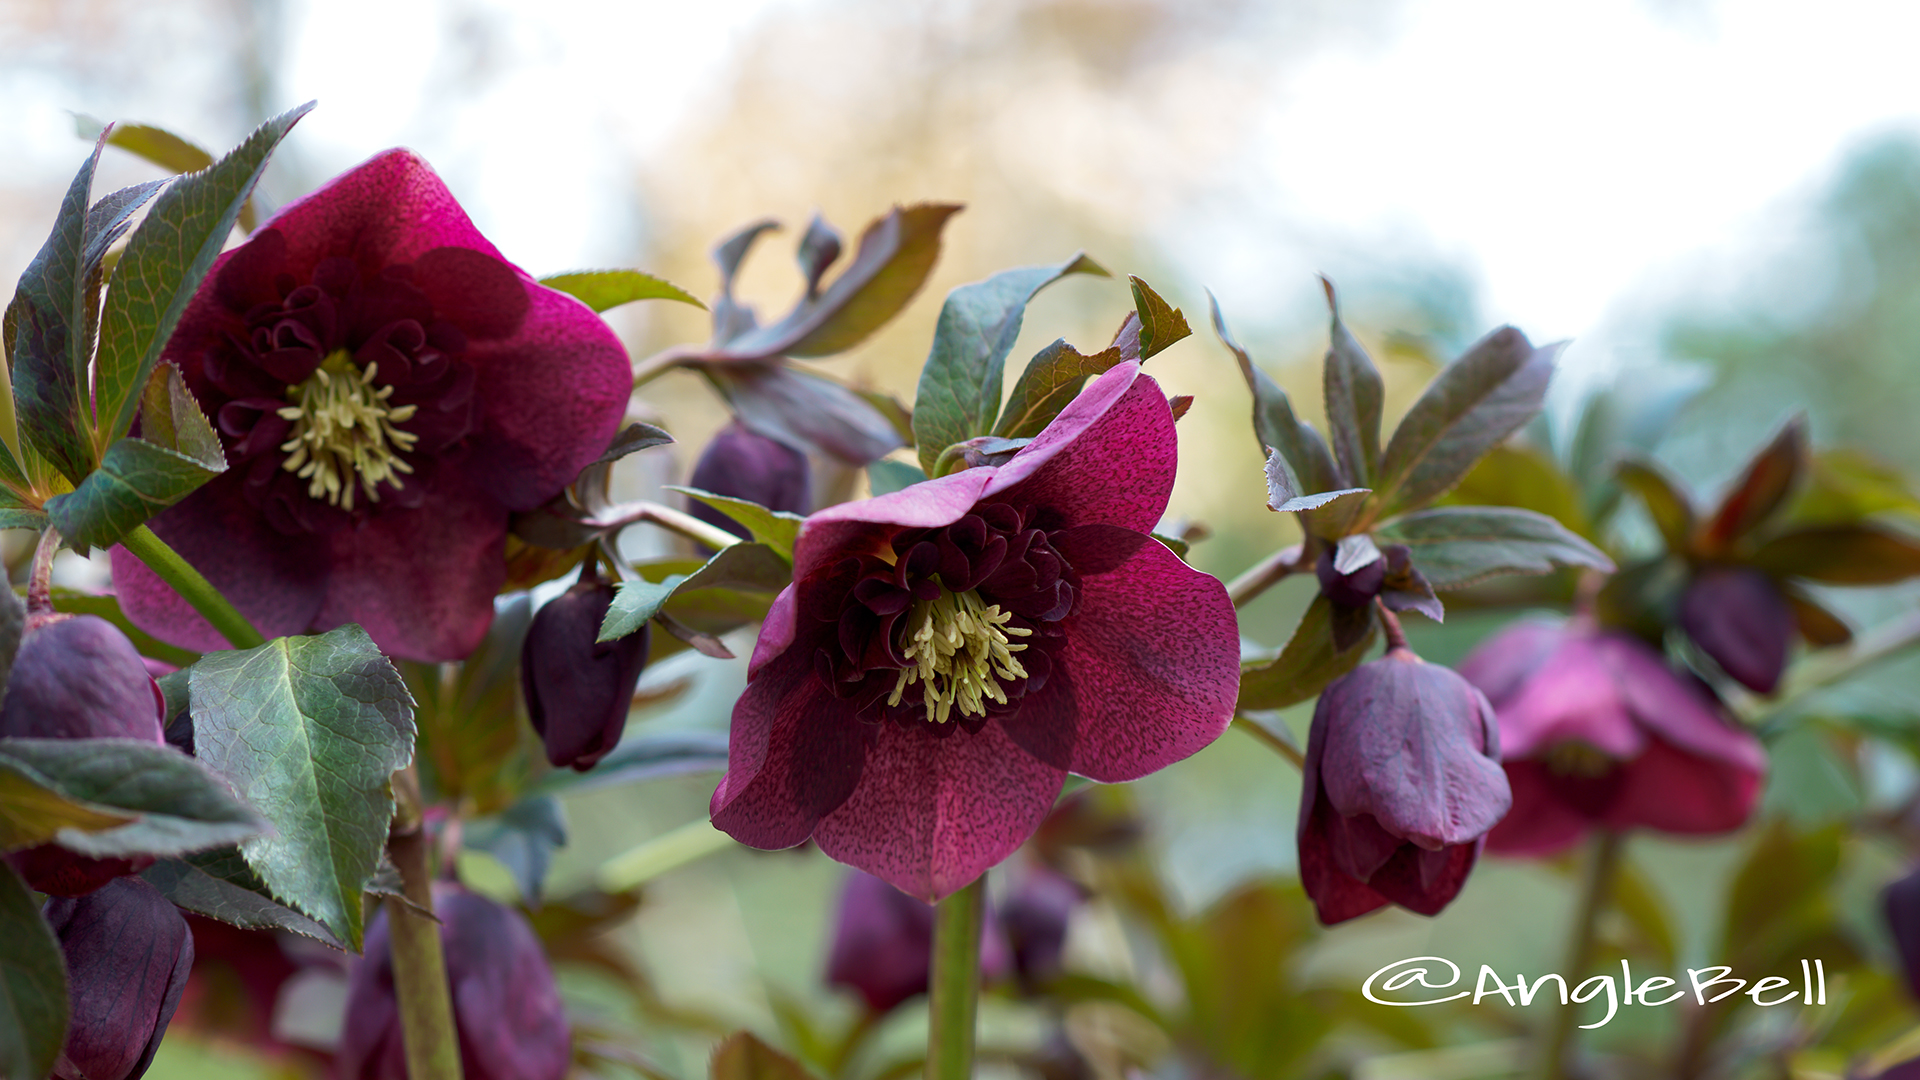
(1053, 378)
(1844, 485)
(1308, 663)
(309, 730)
(959, 392)
(645, 756)
(1493, 389)
(1305, 462)
(1161, 324)
(773, 529)
(1669, 507)
(743, 1057)
(731, 319)
(165, 261)
(1332, 514)
(136, 480)
(1761, 489)
(819, 247)
(13, 622)
(523, 837)
(887, 477)
(634, 604)
(751, 566)
(604, 290)
(803, 409)
(1820, 627)
(190, 887)
(1456, 546)
(1515, 474)
(1841, 555)
(33, 812)
(171, 418)
(33, 984)
(895, 255)
(632, 439)
(1354, 394)
(470, 726)
(166, 803)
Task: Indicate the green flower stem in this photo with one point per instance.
(955, 982)
(40, 575)
(419, 968)
(631, 513)
(1602, 868)
(1279, 740)
(1264, 575)
(194, 589)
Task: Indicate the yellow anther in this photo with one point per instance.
(344, 430)
(960, 653)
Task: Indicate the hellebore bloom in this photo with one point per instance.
(744, 464)
(883, 944)
(128, 953)
(388, 389)
(947, 653)
(78, 677)
(506, 1010)
(1737, 615)
(1402, 782)
(1034, 918)
(579, 690)
(1600, 733)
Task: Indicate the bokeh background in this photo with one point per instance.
(1726, 193)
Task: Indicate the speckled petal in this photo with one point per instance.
(392, 208)
(795, 754)
(1108, 458)
(931, 814)
(853, 528)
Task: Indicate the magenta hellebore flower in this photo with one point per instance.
(1401, 783)
(1600, 733)
(883, 944)
(388, 389)
(947, 653)
(128, 952)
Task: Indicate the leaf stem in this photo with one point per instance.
(1274, 740)
(40, 574)
(955, 982)
(1396, 637)
(1264, 575)
(419, 967)
(1602, 867)
(632, 513)
(167, 564)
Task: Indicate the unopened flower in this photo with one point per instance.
(506, 1009)
(128, 953)
(883, 944)
(1900, 904)
(947, 653)
(1600, 733)
(743, 464)
(1034, 918)
(579, 690)
(388, 389)
(1402, 782)
(1738, 616)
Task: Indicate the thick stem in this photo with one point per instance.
(1396, 637)
(419, 968)
(1263, 575)
(955, 982)
(194, 589)
(40, 575)
(631, 513)
(1602, 868)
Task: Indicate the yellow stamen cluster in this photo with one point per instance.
(343, 428)
(959, 648)
(1576, 758)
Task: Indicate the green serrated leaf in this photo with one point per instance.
(1516, 474)
(751, 566)
(1841, 555)
(1354, 396)
(776, 529)
(634, 602)
(33, 984)
(188, 886)
(170, 417)
(135, 481)
(886, 477)
(1308, 663)
(1054, 377)
(1456, 546)
(171, 803)
(604, 290)
(33, 812)
(960, 386)
(1306, 462)
(895, 255)
(1490, 392)
(1161, 324)
(165, 261)
(310, 731)
(1338, 516)
(805, 409)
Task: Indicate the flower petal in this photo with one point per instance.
(795, 754)
(1108, 457)
(392, 208)
(1670, 789)
(1501, 665)
(1336, 897)
(1540, 823)
(931, 813)
(856, 528)
(1676, 710)
(1572, 695)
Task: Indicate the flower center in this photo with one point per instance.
(959, 649)
(343, 430)
(1576, 758)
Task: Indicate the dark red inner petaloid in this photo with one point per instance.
(380, 317)
(993, 550)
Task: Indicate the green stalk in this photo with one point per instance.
(419, 968)
(1602, 868)
(955, 982)
(194, 589)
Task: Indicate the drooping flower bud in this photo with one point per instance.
(883, 943)
(579, 690)
(128, 953)
(1035, 918)
(1737, 615)
(506, 1009)
(78, 678)
(744, 464)
(1402, 781)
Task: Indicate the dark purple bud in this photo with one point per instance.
(1900, 902)
(128, 953)
(743, 464)
(884, 942)
(579, 690)
(506, 1009)
(1402, 782)
(1738, 616)
(1356, 589)
(1035, 918)
(78, 678)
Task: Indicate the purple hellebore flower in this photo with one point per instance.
(1900, 903)
(1738, 616)
(1402, 782)
(128, 953)
(579, 690)
(78, 677)
(883, 944)
(1600, 733)
(744, 464)
(1034, 917)
(947, 653)
(506, 1009)
(389, 389)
